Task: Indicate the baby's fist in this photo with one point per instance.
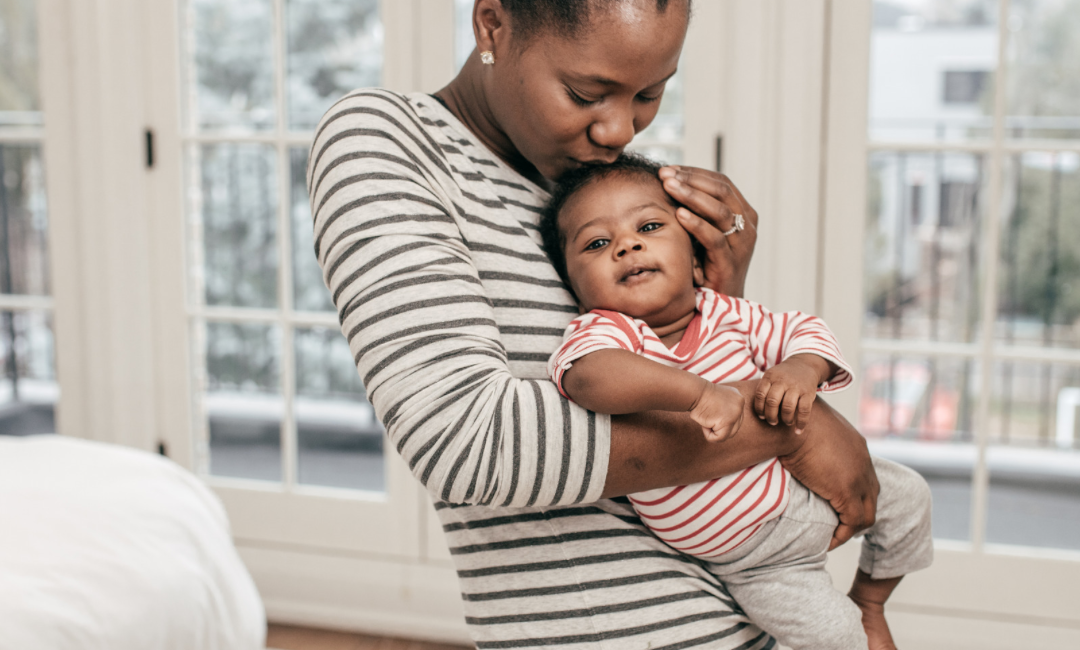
(719, 411)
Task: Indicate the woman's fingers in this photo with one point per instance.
(704, 232)
(720, 214)
(698, 186)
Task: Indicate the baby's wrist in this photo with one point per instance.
(699, 390)
(822, 367)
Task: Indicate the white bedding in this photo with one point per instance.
(103, 546)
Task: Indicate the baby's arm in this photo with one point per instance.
(786, 392)
(617, 381)
(799, 356)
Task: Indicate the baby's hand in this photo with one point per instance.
(788, 390)
(719, 411)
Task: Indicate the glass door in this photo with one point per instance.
(28, 385)
(281, 425)
(970, 358)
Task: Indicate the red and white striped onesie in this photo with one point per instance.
(729, 339)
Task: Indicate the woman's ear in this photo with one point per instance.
(699, 272)
(489, 24)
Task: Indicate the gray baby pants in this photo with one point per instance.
(778, 576)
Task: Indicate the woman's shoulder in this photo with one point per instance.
(376, 108)
(376, 129)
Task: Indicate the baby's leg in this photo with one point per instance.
(898, 543)
(800, 607)
(870, 595)
(778, 578)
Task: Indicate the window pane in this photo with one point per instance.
(24, 265)
(932, 64)
(663, 139)
(309, 292)
(663, 154)
(1034, 460)
(231, 64)
(28, 388)
(464, 40)
(234, 219)
(243, 400)
(918, 411)
(922, 236)
(1039, 277)
(334, 47)
(19, 104)
(1044, 69)
(340, 442)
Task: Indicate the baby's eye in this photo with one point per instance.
(649, 226)
(595, 244)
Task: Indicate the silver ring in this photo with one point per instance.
(740, 223)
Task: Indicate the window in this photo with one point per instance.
(277, 394)
(28, 388)
(970, 351)
(963, 86)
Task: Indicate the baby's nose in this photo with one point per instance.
(627, 246)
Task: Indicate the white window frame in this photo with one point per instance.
(967, 585)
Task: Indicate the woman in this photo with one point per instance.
(425, 224)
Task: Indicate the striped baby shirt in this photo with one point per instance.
(430, 247)
(729, 339)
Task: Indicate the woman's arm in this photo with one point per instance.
(423, 328)
(658, 449)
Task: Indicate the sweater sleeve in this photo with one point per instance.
(422, 328)
(775, 337)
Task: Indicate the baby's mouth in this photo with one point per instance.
(637, 272)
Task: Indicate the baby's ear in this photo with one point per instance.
(699, 272)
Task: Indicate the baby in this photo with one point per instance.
(650, 338)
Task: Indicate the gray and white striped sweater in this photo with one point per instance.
(430, 248)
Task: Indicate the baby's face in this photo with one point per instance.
(627, 252)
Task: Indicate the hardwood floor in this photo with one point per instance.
(290, 637)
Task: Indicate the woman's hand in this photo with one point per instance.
(712, 201)
(659, 449)
(834, 464)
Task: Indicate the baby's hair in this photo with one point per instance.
(572, 182)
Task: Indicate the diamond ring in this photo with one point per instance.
(739, 224)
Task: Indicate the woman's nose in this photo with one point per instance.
(615, 130)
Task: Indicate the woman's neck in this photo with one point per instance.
(465, 97)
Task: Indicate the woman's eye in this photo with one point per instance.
(595, 244)
(649, 226)
(579, 100)
(648, 100)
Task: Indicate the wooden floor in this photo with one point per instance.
(288, 637)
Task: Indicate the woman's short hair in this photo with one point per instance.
(561, 17)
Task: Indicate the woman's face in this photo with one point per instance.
(565, 101)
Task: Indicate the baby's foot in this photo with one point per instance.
(877, 629)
